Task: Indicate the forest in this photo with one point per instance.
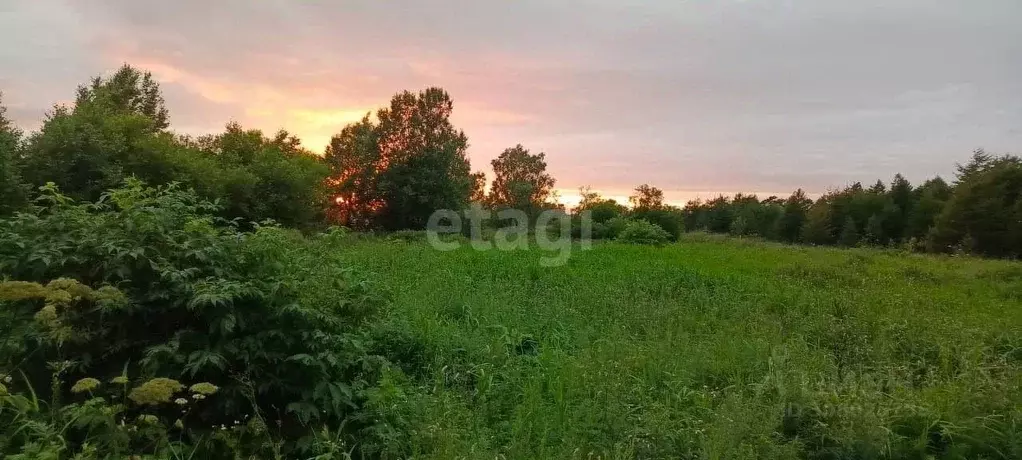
(236, 295)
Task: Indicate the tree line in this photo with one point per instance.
(392, 171)
(980, 212)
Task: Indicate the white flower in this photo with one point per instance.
(181, 401)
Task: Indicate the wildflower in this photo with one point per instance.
(86, 384)
(181, 401)
(198, 396)
(110, 296)
(7, 379)
(20, 290)
(155, 391)
(179, 424)
(58, 297)
(119, 380)
(47, 315)
(204, 388)
(71, 287)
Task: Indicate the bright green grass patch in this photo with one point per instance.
(708, 348)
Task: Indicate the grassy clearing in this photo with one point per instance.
(709, 348)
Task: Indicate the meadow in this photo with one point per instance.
(713, 347)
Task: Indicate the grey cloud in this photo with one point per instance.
(693, 95)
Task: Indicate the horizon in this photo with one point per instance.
(696, 99)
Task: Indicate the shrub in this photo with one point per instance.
(668, 219)
(145, 283)
(610, 229)
(644, 232)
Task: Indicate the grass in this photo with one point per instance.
(710, 348)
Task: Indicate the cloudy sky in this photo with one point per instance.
(694, 96)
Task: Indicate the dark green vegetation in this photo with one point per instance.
(709, 348)
(981, 213)
(175, 297)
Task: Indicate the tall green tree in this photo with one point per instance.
(817, 227)
(13, 191)
(106, 136)
(929, 201)
(849, 234)
(520, 181)
(789, 224)
(128, 90)
(395, 173)
(982, 212)
(355, 163)
(647, 197)
(425, 158)
(266, 177)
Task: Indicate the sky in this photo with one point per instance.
(696, 97)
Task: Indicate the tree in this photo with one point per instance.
(128, 90)
(646, 198)
(817, 228)
(929, 201)
(13, 191)
(979, 161)
(355, 162)
(520, 181)
(601, 209)
(790, 223)
(849, 234)
(901, 203)
(983, 209)
(395, 173)
(478, 187)
(114, 130)
(875, 229)
(263, 177)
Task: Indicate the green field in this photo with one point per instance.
(709, 348)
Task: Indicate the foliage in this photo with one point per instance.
(144, 282)
(256, 177)
(644, 232)
(117, 129)
(12, 190)
(985, 208)
(520, 181)
(849, 236)
(646, 198)
(667, 218)
(395, 173)
(601, 209)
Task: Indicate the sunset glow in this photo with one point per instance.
(697, 98)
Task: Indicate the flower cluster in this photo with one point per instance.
(156, 391)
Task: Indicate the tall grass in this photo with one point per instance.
(709, 348)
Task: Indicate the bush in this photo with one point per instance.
(144, 283)
(610, 229)
(644, 232)
(670, 220)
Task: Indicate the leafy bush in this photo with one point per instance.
(644, 232)
(610, 229)
(668, 219)
(145, 283)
